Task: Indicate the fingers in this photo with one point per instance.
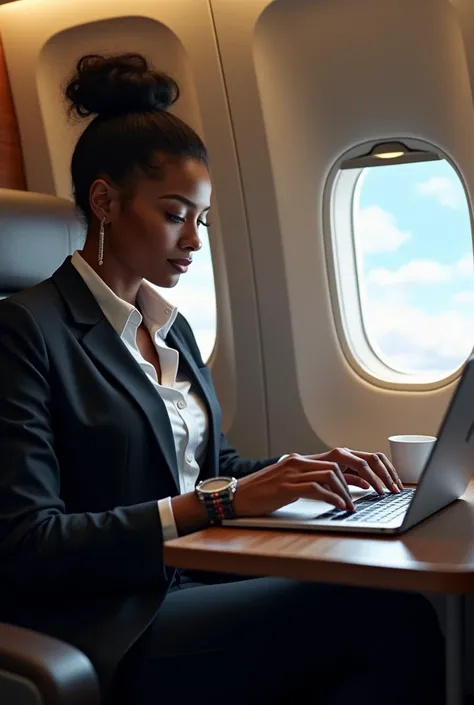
(329, 480)
(311, 490)
(374, 468)
(342, 482)
(357, 481)
(391, 469)
(383, 468)
(360, 466)
(367, 465)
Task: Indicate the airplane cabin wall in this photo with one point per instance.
(465, 14)
(11, 161)
(308, 81)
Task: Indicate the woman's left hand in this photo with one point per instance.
(364, 470)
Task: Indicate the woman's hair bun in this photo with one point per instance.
(117, 85)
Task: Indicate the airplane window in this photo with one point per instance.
(414, 266)
(195, 297)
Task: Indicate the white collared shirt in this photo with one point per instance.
(186, 410)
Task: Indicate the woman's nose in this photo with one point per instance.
(191, 240)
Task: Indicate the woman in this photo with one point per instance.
(108, 419)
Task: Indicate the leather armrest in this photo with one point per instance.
(61, 673)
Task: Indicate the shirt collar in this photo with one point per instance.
(158, 314)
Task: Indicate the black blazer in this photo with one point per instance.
(86, 450)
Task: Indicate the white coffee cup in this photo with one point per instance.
(409, 455)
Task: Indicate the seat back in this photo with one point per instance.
(37, 232)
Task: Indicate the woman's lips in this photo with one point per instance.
(180, 265)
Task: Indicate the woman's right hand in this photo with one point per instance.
(292, 478)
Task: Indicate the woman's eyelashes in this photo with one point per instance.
(179, 219)
(175, 218)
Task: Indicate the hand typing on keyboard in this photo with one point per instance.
(325, 476)
(364, 470)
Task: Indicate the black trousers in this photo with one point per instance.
(223, 639)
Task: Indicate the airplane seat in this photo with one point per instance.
(36, 669)
(36, 233)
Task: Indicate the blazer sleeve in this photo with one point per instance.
(233, 465)
(42, 547)
(230, 462)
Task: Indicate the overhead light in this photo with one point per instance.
(386, 153)
(389, 150)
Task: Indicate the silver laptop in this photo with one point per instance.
(445, 478)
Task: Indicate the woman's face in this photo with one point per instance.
(154, 233)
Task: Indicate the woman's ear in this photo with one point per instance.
(104, 200)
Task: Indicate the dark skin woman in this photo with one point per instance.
(108, 424)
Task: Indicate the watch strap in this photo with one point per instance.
(218, 506)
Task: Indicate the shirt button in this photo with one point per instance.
(167, 311)
(181, 404)
(189, 457)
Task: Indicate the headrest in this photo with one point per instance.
(37, 233)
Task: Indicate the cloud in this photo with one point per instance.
(422, 272)
(447, 192)
(409, 338)
(413, 340)
(415, 272)
(463, 297)
(465, 266)
(377, 231)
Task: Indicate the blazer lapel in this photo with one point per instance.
(109, 353)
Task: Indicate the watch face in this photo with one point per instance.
(215, 485)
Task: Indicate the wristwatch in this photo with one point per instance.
(217, 494)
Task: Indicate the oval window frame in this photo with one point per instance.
(343, 280)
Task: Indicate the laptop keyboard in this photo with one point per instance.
(378, 509)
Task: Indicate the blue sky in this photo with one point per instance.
(413, 231)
